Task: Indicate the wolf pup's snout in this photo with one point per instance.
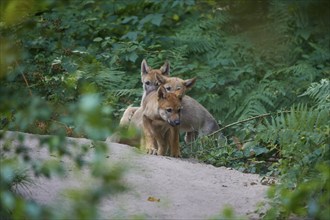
(174, 123)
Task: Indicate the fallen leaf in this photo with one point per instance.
(153, 199)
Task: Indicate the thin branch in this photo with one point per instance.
(245, 120)
(27, 84)
(25, 80)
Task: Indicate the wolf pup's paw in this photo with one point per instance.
(152, 151)
(176, 154)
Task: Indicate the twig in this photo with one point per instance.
(245, 120)
(25, 80)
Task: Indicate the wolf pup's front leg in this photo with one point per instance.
(174, 141)
(162, 142)
(148, 141)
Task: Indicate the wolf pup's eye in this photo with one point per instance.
(147, 83)
(168, 88)
(169, 110)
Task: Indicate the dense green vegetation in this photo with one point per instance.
(263, 68)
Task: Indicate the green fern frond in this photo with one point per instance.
(300, 127)
(109, 77)
(256, 103)
(301, 71)
(196, 42)
(126, 92)
(196, 38)
(320, 92)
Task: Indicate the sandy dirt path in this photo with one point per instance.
(185, 189)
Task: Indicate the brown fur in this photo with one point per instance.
(195, 119)
(127, 116)
(161, 117)
(149, 77)
(133, 115)
(176, 85)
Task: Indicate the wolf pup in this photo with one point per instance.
(149, 83)
(133, 115)
(151, 80)
(196, 120)
(161, 118)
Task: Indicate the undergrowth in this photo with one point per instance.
(291, 146)
(262, 67)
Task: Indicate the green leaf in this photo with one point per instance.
(8, 200)
(132, 35)
(69, 66)
(89, 102)
(155, 19)
(259, 150)
(305, 34)
(98, 39)
(132, 57)
(128, 19)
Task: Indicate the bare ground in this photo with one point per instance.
(183, 189)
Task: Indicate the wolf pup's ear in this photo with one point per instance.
(144, 67)
(161, 79)
(161, 92)
(165, 68)
(189, 82)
